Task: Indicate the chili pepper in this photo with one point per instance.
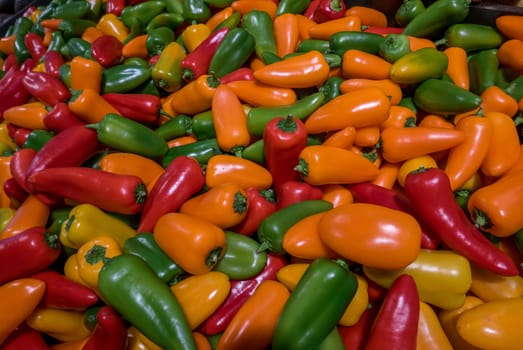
(59, 117)
(19, 163)
(256, 93)
(482, 68)
(364, 41)
(464, 35)
(361, 64)
(327, 10)
(306, 45)
(201, 151)
(171, 20)
(157, 39)
(25, 338)
(180, 125)
(181, 179)
(260, 25)
(110, 330)
(29, 115)
(123, 78)
(12, 90)
(515, 88)
(21, 27)
(73, 28)
(166, 72)
(35, 45)
(145, 11)
(464, 238)
(333, 276)
(21, 220)
(14, 192)
(407, 10)
(43, 245)
(409, 69)
(232, 52)
(451, 99)
(509, 26)
(46, 88)
(19, 298)
(291, 192)
(60, 324)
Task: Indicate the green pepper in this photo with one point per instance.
(137, 61)
(333, 341)
(315, 305)
(21, 27)
(347, 40)
(71, 10)
(233, 51)
(136, 28)
(167, 71)
(57, 41)
(242, 258)
(394, 47)
(148, 87)
(196, 11)
(201, 150)
(171, 20)
(157, 39)
(178, 126)
(76, 47)
(320, 45)
(144, 11)
(258, 117)
(408, 10)
(408, 101)
(65, 73)
(219, 3)
(462, 197)
(37, 139)
(230, 22)
(472, 37)
(442, 97)
(57, 218)
(292, 6)
(483, 69)
(437, 16)
(145, 247)
(259, 25)
(331, 87)
(74, 28)
(123, 78)
(505, 76)
(127, 135)
(129, 285)
(419, 65)
(173, 6)
(272, 229)
(90, 317)
(254, 152)
(515, 88)
(203, 126)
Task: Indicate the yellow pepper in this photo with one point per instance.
(290, 274)
(442, 277)
(87, 221)
(200, 295)
(6, 215)
(61, 324)
(4, 136)
(166, 72)
(137, 341)
(5, 173)
(194, 34)
(91, 258)
(489, 286)
(110, 24)
(431, 335)
(71, 270)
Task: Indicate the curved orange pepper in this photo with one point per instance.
(324, 30)
(431, 335)
(495, 99)
(304, 24)
(136, 47)
(369, 16)
(226, 168)
(31, 213)
(29, 115)
(195, 96)
(337, 195)
(389, 87)
(399, 117)
(256, 93)
(286, 33)
(90, 106)
(343, 138)
(130, 163)
(457, 68)
(387, 175)
(364, 65)
(417, 43)
(219, 17)
(182, 140)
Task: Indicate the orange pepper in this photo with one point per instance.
(31, 213)
(343, 138)
(47, 36)
(457, 68)
(362, 107)
(435, 121)
(304, 24)
(325, 30)
(489, 286)
(224, 205)
(252, 327)
(226, 168)
(417, 43)
(29, 115)
(365, 65)
(337, 195)
(367, 136)
(219, 17)
(182, 140)
(195, 244)
(389, 87)
(413, 164)
(370, 153)
(90, 106)
(511, 26)
(136, 47)
(518, 166)
(399, 117)
(195, 96)
(194, 34)
(90, 34)
(7, 44)
(201, 340)
(387, 175)
(130, 163)
(256, 93)
(243, 6)
(431, 335)
(256, 63)
(495, 99)
(286, 33)
(51, 23)
(18, 299)
(369, 16)
(86, 74)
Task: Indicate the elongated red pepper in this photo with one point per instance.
(46, 88)
(28, 65)
(431, 196)
(327, 10)
(20, 161)
(27, 252)
(14, 191)
(297, 191)
(35, 45)
(368, 192)
(182, 179)
(197, 62)
(12, 90)
(396, 324)
(383, 30)
(25, 338)
(354, 336)
(262, 203)
(60, 118)
(64, 293)
(242, 73)
(53, 60)
(107, 50)
(309, 11)
(144, 108)
(10, 62)
(283, 140)
(110, 332)
(241, 290)
(115, 6)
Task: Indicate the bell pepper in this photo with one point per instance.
(328, 10)
(201, 151)
(166, 72)
(438, 15)
(407, 10)
(60, 324)
(295, 191)
(301, 324)
(107, 50)
(482, 66)
(12, 90)
(232, 52)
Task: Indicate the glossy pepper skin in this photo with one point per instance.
(262, 203)
(134, 290)
(232, 52)
(110, 330)
(12, 90)
(482, 66)
(60, 117)
(328, 10)
(259, 24)
(46, 88)
(444, 216)
(291, 192)
(143, 108)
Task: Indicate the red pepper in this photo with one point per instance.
(60, 118)
(27, 252)
(242, 73)
(35, 45)
(197, 62)
(262, 203)
(107, 50)
(368, 192)
(53, 60)
(110, 332)
(12, 90)
(64, 293)
(28, 65)
(383, 30)
(182, 179)
(283, 140)
(10, 62)
(20, 135)
(46, 88)
(432, 198)
(144, 108)
(297, 191)
(115, 6)
(117, 193)
(309, 11)
(25, 338)
(396, 324)
(241, 290)
(328, 10)
(20, 161)
(15, 192)
(354, 336)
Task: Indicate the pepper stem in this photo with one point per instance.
(265, 245)
(481, 219)
(288, 124)
(213, 257)
(140, 193)
(302, 167)
(240, 204)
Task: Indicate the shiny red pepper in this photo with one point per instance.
(309, 11)
(110, 332)
(283, 140)
(20, 161)
(182, 179)
(60, 118)
(432, 198)
(25, 338)
(115, 6)
(35, 45)
(242, 73)
(296, 191)
(10, 62)
(53, 60)
(107, 50)
(27, 252)
(28, 65)
(15, 192)
(19, 135)
(144, 108)
(354, 336)
(12, 90)
(197, 62)
(328, 10)
(46, 88)
(262, 203)
(241, 290)
(396, 324)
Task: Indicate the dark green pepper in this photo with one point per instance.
(74, 28)
(145, 247)
(65, 73)
(515, 88)
(203, 126)
(170, 20)
(196, 11)
(76, 47)
(123, 78)
(230, 22)
(394, 47)
(37, 139)
(315, 305)
(127, 135)
(57, 218)
(21, 27)
(57, 41)
(408, 10)
(347, 40)
(144, 11)
(472, 37)
(157, 39)
(292, 6)
(219, 3)
(129, 285)
(71, 10)
(505, 76)
(408, 101)
(273, 227)
(483, 69)
(173, 6)
(442, 97)
(320, 45)
(176, 127)
(331, 87)
(242, 259)
(202, 151)
(232, 52)
(259, 25)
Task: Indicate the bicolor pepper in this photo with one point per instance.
(110, 330)
(166, 72)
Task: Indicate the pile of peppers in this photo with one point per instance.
(260, 174)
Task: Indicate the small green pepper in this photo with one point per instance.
(483, 69)
(76, 47)
(320, 45)
(123, 78)
(157, 39)
(171, 20)
(331, 87)
(233, 21)
(202, 151)
(74, 28)
(292, 6)
(145, 11)
(394, 47)
(472, 37)
(203, 126)
(408, 10)
(71, 10)
(259, 25)
(515, 88)
(178, 126)
(364, 41)
(232, 52)
(37, 139)
(196, 11)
